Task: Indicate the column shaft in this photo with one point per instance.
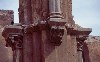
(27, 12)
(27, 48)
(54, 6)
(37, 47)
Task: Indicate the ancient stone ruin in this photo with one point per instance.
(47, 33)
(6, 17)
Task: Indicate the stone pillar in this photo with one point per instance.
(54, 8)
(80, 56)
(17, 55)
(14, 39)
(27, 39)
(37, 47)
(55, 19)
(80, 51)
(80, 43)
(27, 48)
(27, 12)
(39, 13)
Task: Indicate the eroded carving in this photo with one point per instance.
(56, 35)
(14, 41)
(80, 42)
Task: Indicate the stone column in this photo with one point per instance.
(27, 37)
(27, 48)
(80, 43)
(17, 55)
(80, 59)
(54, 8)
(55, 18)
(27, 12)
(37, 47)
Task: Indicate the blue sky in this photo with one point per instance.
(10, 5)
(86, 12)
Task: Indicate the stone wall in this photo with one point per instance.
(93, 44)
(66, 52)
(5, 53)
(37, 46)
(6, 17)
(34, 11)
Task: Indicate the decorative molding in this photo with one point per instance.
(14, 41)
(13, 36)
(80, 33)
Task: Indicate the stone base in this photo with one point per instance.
(56, 21)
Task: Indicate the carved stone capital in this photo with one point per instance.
(13, 36)
(56, 34)
(14, 41)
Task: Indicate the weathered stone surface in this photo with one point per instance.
(93, 44)
(6, 54)
(37, 46)
(66, 52)
(6, 17)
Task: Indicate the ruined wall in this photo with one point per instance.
(6, 17)
(37, 10)
(67, 51)
(5, 53)
(93, 44)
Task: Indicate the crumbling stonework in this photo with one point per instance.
(6, 17)
(48, 33)
(6, 54)
(93, 44)
(45, 15)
